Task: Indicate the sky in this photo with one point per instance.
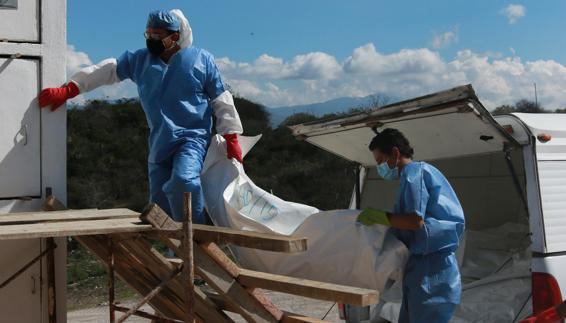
(281, 53)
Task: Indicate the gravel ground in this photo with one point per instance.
(291, 303)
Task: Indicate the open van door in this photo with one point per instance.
(441, 125)
(481, 159)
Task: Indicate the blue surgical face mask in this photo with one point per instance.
(390, 174)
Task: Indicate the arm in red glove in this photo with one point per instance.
(233, 147)
(57, 96)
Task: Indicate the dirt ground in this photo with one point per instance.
(291, 303)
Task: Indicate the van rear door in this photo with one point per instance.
(441, 125)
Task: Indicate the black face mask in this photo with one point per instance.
(155, 46)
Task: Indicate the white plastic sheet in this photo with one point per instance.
(339, 250)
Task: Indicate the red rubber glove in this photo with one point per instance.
(57, 96)
(548, 316)
(233, 147)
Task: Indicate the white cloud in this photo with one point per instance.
(498, 79)
(514, 12)
(77, 60)
(367, 60)
(316, 65)
(445, 39)
(314, 77)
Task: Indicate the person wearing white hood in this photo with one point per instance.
(180, 88)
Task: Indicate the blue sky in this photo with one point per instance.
(311, 46)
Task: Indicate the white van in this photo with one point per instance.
(509, 173)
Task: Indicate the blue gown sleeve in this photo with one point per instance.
(430, 196)
(415, 197)
(440, 235)
(126, 66)
(213, 85)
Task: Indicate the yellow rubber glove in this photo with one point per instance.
(371, 216)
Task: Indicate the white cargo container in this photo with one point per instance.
(32, 148)
(505, 169)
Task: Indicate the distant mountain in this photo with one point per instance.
(338, 105)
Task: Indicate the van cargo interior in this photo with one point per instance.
(494, 254)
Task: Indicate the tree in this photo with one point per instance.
(527, 106)
(298, 118)
(504, 109)
(379, 100)
(523, 106)
(107, 158)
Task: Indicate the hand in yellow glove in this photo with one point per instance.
(371, 216)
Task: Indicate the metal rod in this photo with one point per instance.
(147, 315)
(111, 280)
(188, 267)
(358, 188)
(149, 296)
(51, 288)
(26, 266)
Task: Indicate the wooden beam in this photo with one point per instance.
(288, 317)
(296, 318)
(296, 286)
(130, 270)
(309, 288)
(214, 252)
(141, 250)
(249, 239)
(142, 267)
(73, 228)
(249, 306)
(65, 216)
(204, 233)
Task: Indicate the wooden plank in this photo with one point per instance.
(235, 295)
(65, 216)
(161, 267)
(142, 271)
(247, 305)
(219, 235)
(309, 288)
(73, 228)
(134, 276)
(249, 239)
(221, 259)
(296, 318)
(141, 267)
(288, 317)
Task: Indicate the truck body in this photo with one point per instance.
(507, 170)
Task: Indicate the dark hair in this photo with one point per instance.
(389, 138)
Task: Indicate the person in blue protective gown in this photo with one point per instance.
(429, 220)
(180, 89)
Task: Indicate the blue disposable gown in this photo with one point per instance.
(431, 285)
(176, 100)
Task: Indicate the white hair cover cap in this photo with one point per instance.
(185, 31)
